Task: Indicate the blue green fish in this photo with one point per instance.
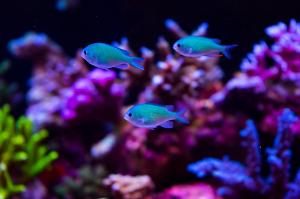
(152, 115)
(196, 46)
(105, 56)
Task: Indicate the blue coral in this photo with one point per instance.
(235, 177)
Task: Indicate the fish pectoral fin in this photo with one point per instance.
(122, 66)
(167, 125)
(141, 120)
(125, 52)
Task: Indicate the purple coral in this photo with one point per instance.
(238, 178)
(176, 78)
(279, 155)
(282, 59)
(186, 83)
(294, 190)
(268, 81)
(225, 171)
(34, 46)
(253, 150)
(49, 85)
(94, 98)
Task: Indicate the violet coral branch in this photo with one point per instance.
(237, 178)
(253, 150)
(279, 156)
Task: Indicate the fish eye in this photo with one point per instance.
(84, 52)
(178, 45)
(129, 114)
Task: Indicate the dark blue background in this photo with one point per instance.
(233, 21)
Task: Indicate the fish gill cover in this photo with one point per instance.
(103, 156)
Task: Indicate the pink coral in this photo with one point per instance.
(129, 187)
(189, 191)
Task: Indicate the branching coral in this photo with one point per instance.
(62, 89)
(22, 155)
(74, 103)
(269, 79)
(236, 178)
(187, 83)
(176, 78)
(53, 72)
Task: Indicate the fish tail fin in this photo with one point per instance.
(135, 62)
(227, 49)
(180, 117)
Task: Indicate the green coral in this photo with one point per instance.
(22, 155)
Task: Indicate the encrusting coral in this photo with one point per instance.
(237, 180)
(188, 191)
(87, 182)
(22, 155)
(130, 187)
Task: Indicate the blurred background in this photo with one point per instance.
(233, 21)
(62, 132)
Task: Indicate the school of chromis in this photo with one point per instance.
(106, 56)
(161, 123)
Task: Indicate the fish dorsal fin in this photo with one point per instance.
(124, 51)
(170, 107)
(167, 125)
(216, 40)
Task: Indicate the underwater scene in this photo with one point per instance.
(138, 99)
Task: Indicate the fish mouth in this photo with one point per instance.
(126, 117)
(175, 47)
(82, 54)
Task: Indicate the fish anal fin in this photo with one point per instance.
(122, 66)
(167, 125)
(213, 55)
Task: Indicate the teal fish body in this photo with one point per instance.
(152, 116)
(106, 56)
(196, 46)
